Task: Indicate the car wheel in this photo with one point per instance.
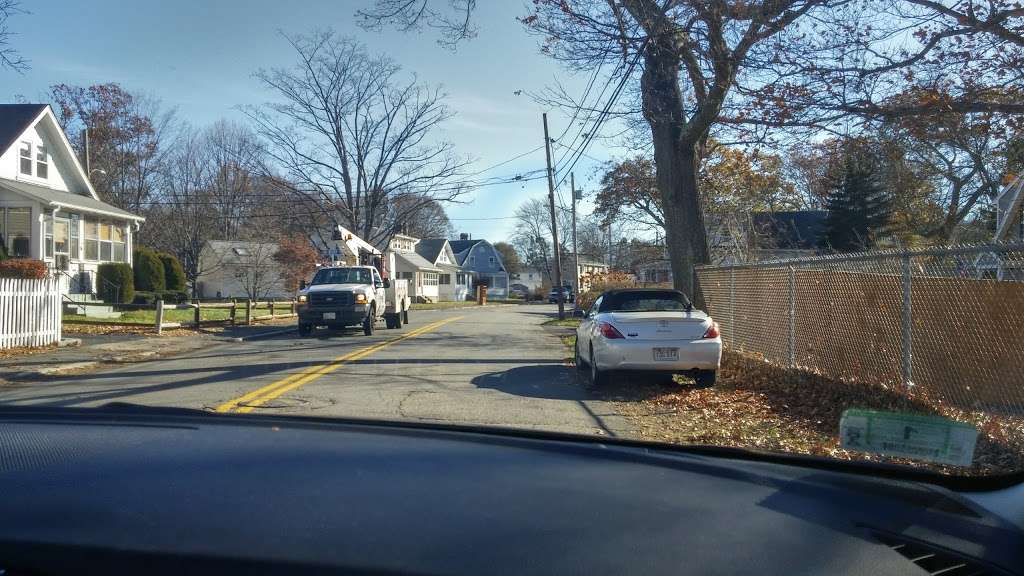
(305, 330)
(370, 320)
(704, 378)
(581, 364)
(598, 377)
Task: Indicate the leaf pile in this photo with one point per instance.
(760, 406)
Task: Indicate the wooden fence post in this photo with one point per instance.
(232, 314)
(248, 311)
(159, 316)
(197, 314)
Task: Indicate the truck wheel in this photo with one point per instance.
(305, 330)
(371, 319)
(391, 321)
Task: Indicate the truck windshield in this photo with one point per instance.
(342, 276)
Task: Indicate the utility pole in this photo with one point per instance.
(575, 247)
(554, 221)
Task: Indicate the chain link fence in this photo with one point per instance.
(948, 323)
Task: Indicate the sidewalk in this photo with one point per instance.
(98, 350)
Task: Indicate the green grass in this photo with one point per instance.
(569, 322)
(148, 317)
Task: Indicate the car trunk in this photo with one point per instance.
(660, 325)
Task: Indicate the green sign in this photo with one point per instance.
(930, 438)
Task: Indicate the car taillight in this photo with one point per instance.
(609, 331)
(712, 331)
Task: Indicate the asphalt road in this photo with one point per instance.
(492, 366)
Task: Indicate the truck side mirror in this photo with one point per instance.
(387, 283)
(302, 284)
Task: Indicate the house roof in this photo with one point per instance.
(430, 248)
(66, 199)
(796, 230)
(14, 120)
(414, 260)
(238, 251)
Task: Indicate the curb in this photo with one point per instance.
(258, 336)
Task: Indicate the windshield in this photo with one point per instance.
(645, 301)
(342, 276)
(777, 230)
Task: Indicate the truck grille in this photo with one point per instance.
(330, 299)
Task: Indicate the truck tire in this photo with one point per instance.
(305, 330)
(392, 321)
(369, 321)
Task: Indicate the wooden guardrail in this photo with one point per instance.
(247, 306)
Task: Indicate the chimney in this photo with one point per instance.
(464, 236)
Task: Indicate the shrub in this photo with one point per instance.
(115, 282)
(168, 296)
(22, 268)
(174, 273)
(175, 296)
(599, 283)
(148, 270)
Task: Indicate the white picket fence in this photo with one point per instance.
(30, 312)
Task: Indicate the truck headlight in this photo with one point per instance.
(303, 298)
(360, 298)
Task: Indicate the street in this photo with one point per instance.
(494, 365)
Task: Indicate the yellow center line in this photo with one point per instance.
(252, 400)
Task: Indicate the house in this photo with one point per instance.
(529, 280)
(480, 258)
(237, 269)
(654, 272)
(781, 235)
(49, 210)
(454, 283)
(424, 277)
(588, 267)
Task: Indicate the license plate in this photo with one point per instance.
(328, 315)
(666, 354)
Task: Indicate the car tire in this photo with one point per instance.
(598, 377)
(704, 378)
(581, 364)
(369, 321)
(305, 330)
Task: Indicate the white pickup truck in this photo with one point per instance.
(340, 296)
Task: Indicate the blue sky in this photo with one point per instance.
(198, 56)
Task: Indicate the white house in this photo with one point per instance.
(236, 269)
(454, 283)
(423, 276)
(49, 210)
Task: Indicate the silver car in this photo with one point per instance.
(650, 330)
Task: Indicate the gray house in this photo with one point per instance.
(480, 258)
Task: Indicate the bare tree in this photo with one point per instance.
(428, 221)
(235, 191)
(532, 235)
(455, 22)
(257, 269)
(9, 57)
(351, 134)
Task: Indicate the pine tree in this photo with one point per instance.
(859, 205)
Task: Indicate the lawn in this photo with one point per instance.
(569, 322)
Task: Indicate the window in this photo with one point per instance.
(404, 275)
(490, 261)
(106, 248)
(446, 279)
(472, 260)
(430, 278)
(92, 240)
(25, 153)
(42, 164)
(460, 278)
(61, 235)
(48, 236)
(75, 223)
(16, 231)
(118, 241)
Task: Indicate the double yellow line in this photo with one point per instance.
(260, 396)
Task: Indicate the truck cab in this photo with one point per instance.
(342, 296)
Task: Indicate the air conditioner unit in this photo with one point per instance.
(63, 262)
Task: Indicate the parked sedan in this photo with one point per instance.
(647, 329)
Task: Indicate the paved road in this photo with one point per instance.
(493, 366)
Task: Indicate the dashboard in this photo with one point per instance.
(116, 491)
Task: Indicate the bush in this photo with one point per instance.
(174, 274)
(599, 283)
(175, 296)
(115, 282)
(22, 268)
(148, 269)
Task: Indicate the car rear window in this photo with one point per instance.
(646, 301)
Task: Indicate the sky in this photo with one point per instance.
(198, 56)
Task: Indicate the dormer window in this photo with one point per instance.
(25, 155)
(42, 162)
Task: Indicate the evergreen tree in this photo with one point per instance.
(859, 205)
